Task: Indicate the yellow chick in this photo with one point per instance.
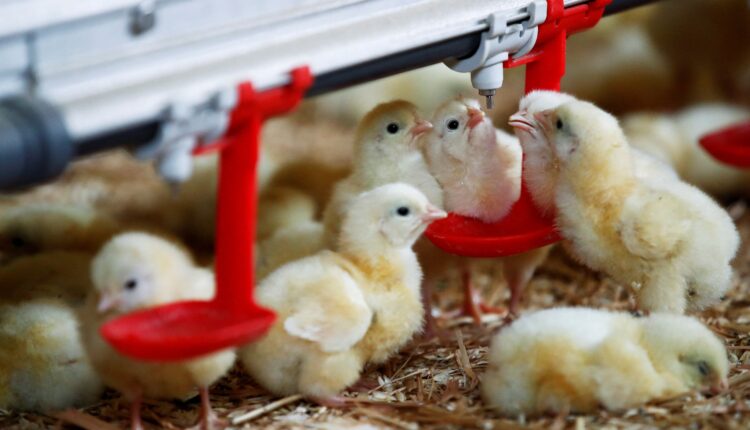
(540, 166)
(674, 139)
(45, 227)
(195, 204)
(136, 271)
(479, 168)
(60, 274)
(577, 359)
(43, 366)
(280, 207)
(665, 238)
(312, 177)
(286, 245)
(340, 310)
(386, 151)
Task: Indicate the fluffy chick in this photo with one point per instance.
(340, 310)
(46, 227)
(43, 366)
(286, 245)
(540, 166)
(479, 168)
(135, 271)
(386, 151)
(280, 207)
(313, 177)
(673, 138)
(578, 359)
(665, 238)
(60, 274)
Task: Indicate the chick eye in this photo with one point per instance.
(131, 284)
(703, 368)
(453, 124)
(17, 242)
(559, 124)
(392, 128)
(403, 211)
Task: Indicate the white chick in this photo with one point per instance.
(43, 366)
(136, 271)
(674, 139)
(577, 359)
(58, 274)
(339, 310)
(385, 151)
(479, 168)
(665, 238)
(47, 227)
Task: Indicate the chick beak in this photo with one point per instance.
(543, 119)
(476, 116)
(721, 387)
(518, 120)
(421, 127)
(106, 303)
(433, 213)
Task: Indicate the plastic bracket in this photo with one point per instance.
(496, 46)
(184, 126)
(189, 329)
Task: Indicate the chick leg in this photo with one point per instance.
(473, 303)
(135, 411)
(518, 271)
(333, 402)
(208, 418)
(431, 327)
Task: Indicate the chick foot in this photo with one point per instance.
(333, 402)
(363, 385)
(135, 412)
(208, 418)
(474, 306)
(432, 329)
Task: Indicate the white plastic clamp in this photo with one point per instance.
(183, 127)
(498, 43)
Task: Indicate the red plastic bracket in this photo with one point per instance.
(524, 228)
(730, 145)
(185, 330)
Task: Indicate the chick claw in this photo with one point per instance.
(333, 402)
(473, 303)
(208, 418)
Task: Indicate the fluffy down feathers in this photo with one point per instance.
(136, 271)
(576, 359)
(385, 151)
(338, 311)
(478, 167)
(43, 366)
(288, 244)
(666, 238)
